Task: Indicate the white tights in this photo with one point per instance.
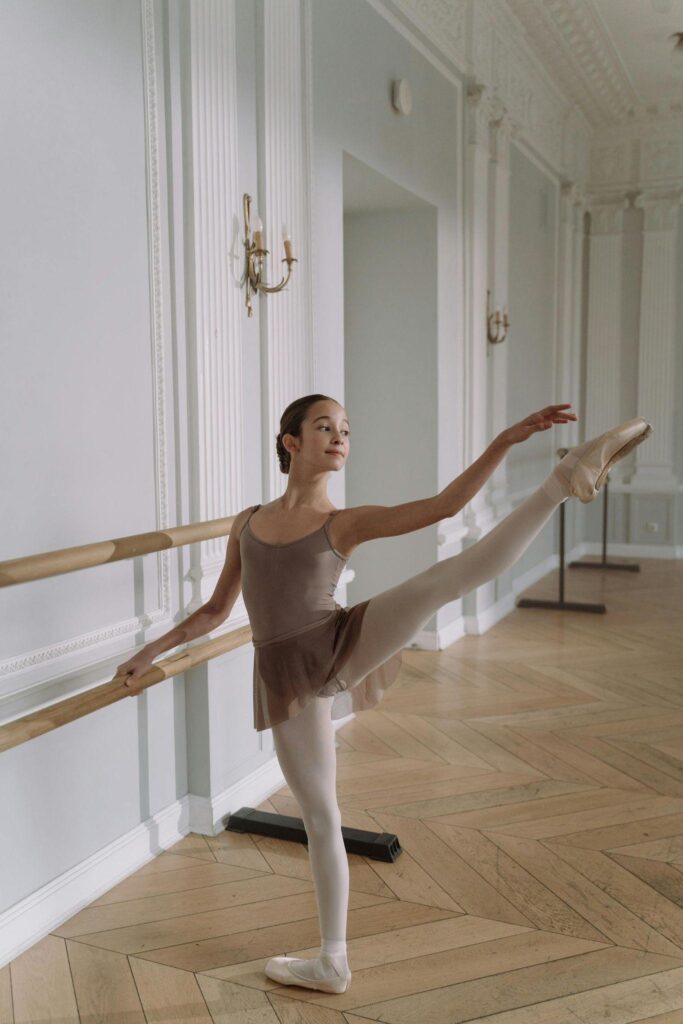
(305, 744)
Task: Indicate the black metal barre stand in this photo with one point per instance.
(378, 845)
(561, 604)
(604, 564)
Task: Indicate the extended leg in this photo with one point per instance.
(394, 616)
(306, 752)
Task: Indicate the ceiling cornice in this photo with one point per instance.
(570, 38)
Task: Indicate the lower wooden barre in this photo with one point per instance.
(51, 717)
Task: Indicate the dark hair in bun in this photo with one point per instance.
(290, 423)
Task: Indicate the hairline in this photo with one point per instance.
(329, 418)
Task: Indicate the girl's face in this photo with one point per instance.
(325, 438)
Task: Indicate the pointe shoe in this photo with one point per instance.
(283, 970)
(590, 472)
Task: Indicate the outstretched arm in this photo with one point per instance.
(368, 522)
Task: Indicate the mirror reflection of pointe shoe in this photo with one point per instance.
(590, 472)
(283, 970)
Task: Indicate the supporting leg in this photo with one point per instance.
(306, 752)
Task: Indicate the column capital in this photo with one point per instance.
(660, 209)
(607, 214)
(571, 200)
(482, 108)
(502, 130)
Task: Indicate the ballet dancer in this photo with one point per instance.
(314, 660)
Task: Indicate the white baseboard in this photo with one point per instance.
(34, 917)
(476, 625)
(31, 919)
(635, 550)
(438, 639)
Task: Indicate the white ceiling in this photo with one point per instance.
(639, 31)
(615, 58)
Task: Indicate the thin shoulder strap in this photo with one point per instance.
(247, 519)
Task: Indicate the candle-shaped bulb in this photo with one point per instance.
(289, 254)
(258, 232)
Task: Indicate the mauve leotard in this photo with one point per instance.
(302, 637)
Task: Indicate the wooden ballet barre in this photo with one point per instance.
(84, 556)
(53, 715)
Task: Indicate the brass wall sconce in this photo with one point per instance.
(255, 256)
(496, 326)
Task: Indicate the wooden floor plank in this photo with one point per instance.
(534, 777)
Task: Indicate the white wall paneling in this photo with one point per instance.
(284, 176)
(501, 133)
(485, 41)
(568, 306)
(479, 113)
(216, 308)
(656, 353)
(76, 658)
(603, 396)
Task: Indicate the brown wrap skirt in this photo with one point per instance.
(293, 670)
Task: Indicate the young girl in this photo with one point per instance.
(314, 660)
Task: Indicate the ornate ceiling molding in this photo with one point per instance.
(572, 42)
(484, 41)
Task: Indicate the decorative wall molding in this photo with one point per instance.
(70, 652)
(217, 301)
(661, 210)
(639, 153)
(288, 370)
(571, 39)
(604, 341)
(479, 111)
(607, 216)
(486, 43)
(657, 348)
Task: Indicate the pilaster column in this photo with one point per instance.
(603, 383)
(479, 112)
(579, 236)
(569, 285)
(656, 349)
(216, 303)
(288, 371)
(501, 132)
(215, 316)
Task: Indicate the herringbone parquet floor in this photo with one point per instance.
(534, 776)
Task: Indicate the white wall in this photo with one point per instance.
(136, 394)
(390, 356)
(355, 56)
(532, 342)
(82, 461)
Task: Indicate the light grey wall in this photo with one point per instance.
(390, 359)
(355, 57)
(77, 409)
(628, 515)
(530, 341)
(78, 418)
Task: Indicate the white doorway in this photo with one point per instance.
(390, 365)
